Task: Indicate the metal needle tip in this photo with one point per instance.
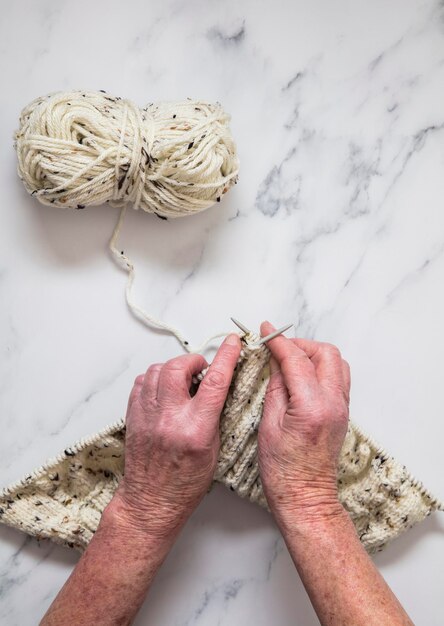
(273, 334)
(241, 326)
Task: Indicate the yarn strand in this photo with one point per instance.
(126, 264)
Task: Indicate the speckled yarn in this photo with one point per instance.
(83, 148)
(64, 499)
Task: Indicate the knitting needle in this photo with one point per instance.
(241, 326)
(273, 334)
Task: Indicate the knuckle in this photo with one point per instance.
(164, 436)
(322, 415)
(215, 379)
(321, 411)
(174, 365)
(275, 387)
(153, 369)
(165, 426)
(186, 442)
(139, 380)
(334, 411)
(230, 350)
(193, 444)
(330, 349)
(341, 410)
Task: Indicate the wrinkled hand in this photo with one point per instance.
(172, 439)
(303, 427)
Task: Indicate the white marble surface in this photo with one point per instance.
(336, 224)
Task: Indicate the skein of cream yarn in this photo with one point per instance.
(82, 148)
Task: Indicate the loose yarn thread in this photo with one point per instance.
(127, 265)
(82, 148)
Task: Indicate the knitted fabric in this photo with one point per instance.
(64, 499)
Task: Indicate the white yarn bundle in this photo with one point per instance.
(85, 148)
(82, 148)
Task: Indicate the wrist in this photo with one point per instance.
(316, 522)
(305, 506)
(127, 524)
(325, 538)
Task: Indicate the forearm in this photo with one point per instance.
(343, 584)
(110, 581)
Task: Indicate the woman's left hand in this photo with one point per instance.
(172, 440)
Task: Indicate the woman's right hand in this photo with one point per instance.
(302, 430)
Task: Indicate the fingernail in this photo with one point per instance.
(232, 340)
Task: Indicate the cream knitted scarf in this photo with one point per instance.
(64, 499)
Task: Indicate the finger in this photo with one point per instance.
(148, 393)
(276, 397)
(135, 391)
(297, 369)
(347, 379)
(307, 345)
(327, 360)
(328, 364)
(213, 390)
(176, 377)
(276, 381)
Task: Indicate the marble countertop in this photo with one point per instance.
(336, 225)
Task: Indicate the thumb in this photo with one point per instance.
(267, 328)
(213, 390)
